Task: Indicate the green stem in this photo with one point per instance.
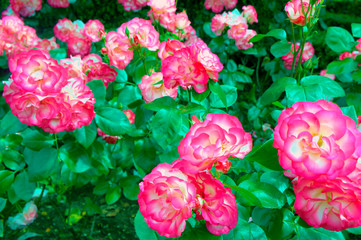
(41, 196)
(294, 44)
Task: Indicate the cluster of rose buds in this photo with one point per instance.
(113, 139)
(308, 52)
(301, 12)
(187, 66)
(130, 36)
(238, 23)
(79, 36)
(322, 157)
(217, 5)
(40, 93)
(133, 5)
(164, 13)
(88, 68)
(16, 37)
(187, 184)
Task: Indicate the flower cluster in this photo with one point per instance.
(16, 37)
(187, 185)
(40, 93)
(307, 53)
(89, 68)
(133, 5)
(217, 5)
(25, 8)
(238, 23)
(189, 65)
(322, 156)
(300, 11)
(78, 36)
(129, 36)
(163, 12)
(59, 3)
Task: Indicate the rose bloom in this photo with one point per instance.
(78, 46)
(150, 90)
(47, 44)
(242, 43)
(166, 200)
(133, 5)
(295, 9)
(20, 220)
(325, 74)
(219, 208)
(223, 166)
(109, 139)
(59, 3)
(308, 52)
(237, 31)
(316, 139)
(25, 8)
(12, 24)
(27, 36)
(35, 71)
(96, 69)
(181, 20)
(118, 51)
(183, 69)
(140, 32)
(344, 55)
(334, 205)
(358, 46)
(64, 29)
(250, 13)
(217, 5)
(166, 20)
(218, 24)
(92, 30)
(159, 7)
(167, 48)
(217, 138)
(130, 115)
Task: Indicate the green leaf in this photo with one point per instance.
(2, 203)
(130, 186)
(355, 100)
(144, 156)
(1, 229)
(86, 134)
(207, 29)
(347, 65)
(28, 235)
(270, 220)
(200, 232)
(166, 126)
(199, 97)
(245, 230)
(308, 93)
(339, 39)
(142, 230)
(266, 155)
(34, 140)
(13, 159)
(277, 88)
(113, 194)
(329, 87)
(277, 179)
(356, 230)
(191, 108)
(58, 53)
(75, 157)
(41, 164)
(22, 188)
(276, 33)
(166, 102)
(280, 48)
(217, 90)
(10, 124)
(244, 196)
(112, 121)
(98, 89)
(269, 196)
(224, 96)
(231, 66)
(319, 234)
(4, 61)
(356, 30)
(6, 179)
(351, 112)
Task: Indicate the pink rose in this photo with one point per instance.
(334, 205)
(130, 115)
(250, 13)
(159, 7)
(358, 46)
(167, 48)
(308, 52)
(295, 10)
(25, 8)
(166, 200)
(242, 43)
(217, 5)
(118, 50)
(316, 139)
(64, 29)
(345, 55)
(59, 3)
(181, 20)
(183, 69)
(78, 46)
(96, 69)
(92, 30)
(325, 74)
(217, 138)
(109, 139)
(222, 166)
(219, 208)
(133, 5)
(47, 44)
(150, 90)
(12, 24)
(218, 24)
(237, 31)
(141, 32)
